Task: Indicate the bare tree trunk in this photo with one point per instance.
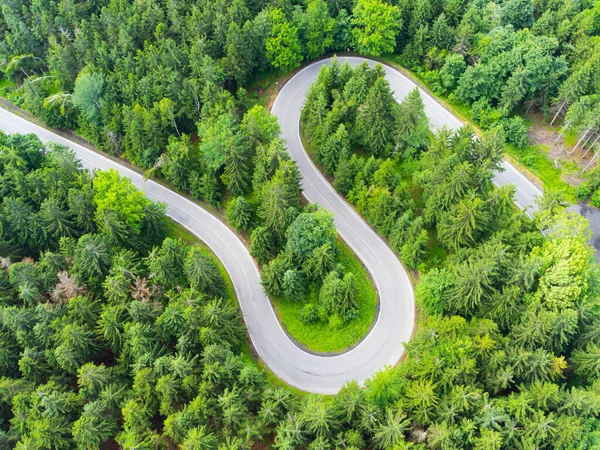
(529, 107)
(591, 146)
(579, 142)
(559, 111)
(590, 163)
(588, 139)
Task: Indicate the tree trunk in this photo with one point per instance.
(579, 142)
(558, 112)
(591, 146)
(588, 139)
(562, 131)
(590, 163)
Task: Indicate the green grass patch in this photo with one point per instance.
(265, 86)
(571, 138)
(322, 337)
(536, 159)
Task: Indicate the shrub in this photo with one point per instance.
(335, 321)
(309, 313)
(430, 291)
(515, 132)
(595, 200)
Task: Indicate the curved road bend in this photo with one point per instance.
(321, 374)
(312, 373)
(290, 101)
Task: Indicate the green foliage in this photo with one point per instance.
(432, 290)
(308, 232)
(376, 119)
(518, 372)
(118, 194)
(128, 332)
(88, 94)
(283, 46)
(218, 138)
(261, 244)
(240, 213)
(413, 125)
(375, 26)
(319, 28)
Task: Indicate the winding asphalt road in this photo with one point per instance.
(312, 373)
(289, 103)
(395, 321)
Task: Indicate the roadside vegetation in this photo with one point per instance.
(311, 323)
(507, 354)
(498, 273)
(219, 147)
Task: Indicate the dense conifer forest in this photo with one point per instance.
(114, 333)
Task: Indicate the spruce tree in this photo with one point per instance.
(336, 149)
(413, 126)
(377, 118)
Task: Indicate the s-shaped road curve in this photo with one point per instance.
(313, 373)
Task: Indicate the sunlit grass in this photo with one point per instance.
(322, 337)
(536, 160)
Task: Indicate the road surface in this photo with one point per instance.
(395, 321)
(290, 100)
(312, 373)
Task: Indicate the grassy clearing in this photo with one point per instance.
(536, 160)
(323, 337)
(266, 85)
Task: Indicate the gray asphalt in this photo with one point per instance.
(291, 99)
(312, 373)
(395, 321)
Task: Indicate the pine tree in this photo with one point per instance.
(335, 150)
(293, 285)
(391, 432)
(321, 262)
(272, 275)
(463, 223)
(319, 31)
(413, 125)
(261, 244)
(346, 172)
(55, 220)
(237, 171)
(376, 119)
(240, 213)
(202, 272)
(441, 34)
(348, 290)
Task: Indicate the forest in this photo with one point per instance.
(115, 333)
